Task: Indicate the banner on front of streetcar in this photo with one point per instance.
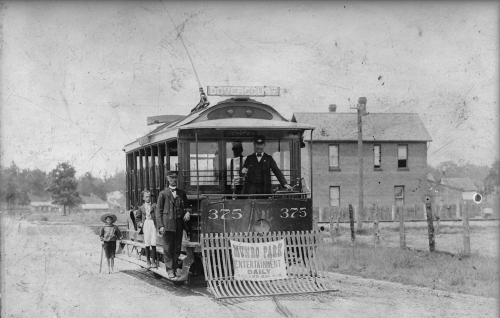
(259, 261)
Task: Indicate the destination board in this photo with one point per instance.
(243, 91)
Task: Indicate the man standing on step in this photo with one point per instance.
(170, 217)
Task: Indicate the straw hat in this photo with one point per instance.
(111, 215)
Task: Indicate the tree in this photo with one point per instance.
(10, 188)
(88, 184)
(37, 180)
(115, 182)
(451, 169)
(492, 180)
(63, 186)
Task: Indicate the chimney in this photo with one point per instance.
(332, 108)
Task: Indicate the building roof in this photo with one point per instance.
(47, 203)
(95, 206)
(464, 184)
(332, 126)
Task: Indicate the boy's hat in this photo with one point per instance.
(260, 139)
(111, 215)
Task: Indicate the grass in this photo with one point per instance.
(80, 218)
(476, 275)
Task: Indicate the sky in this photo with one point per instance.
(79, 78)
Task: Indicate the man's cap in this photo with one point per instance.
(259, 139)
(237, 145)
(111, 215)
(172, 174)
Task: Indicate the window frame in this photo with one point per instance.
(330, 195)
(406, 167)
(379, 168)
(330, 167)
(402, 197)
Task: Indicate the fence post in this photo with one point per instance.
(376, 234)
(458, 209)
(321, 214)
(337, 228)
(438, 218)
(332, 234)
(402, 236)
(430, 225)
(351, 220)
(393, 212)
(465, 219)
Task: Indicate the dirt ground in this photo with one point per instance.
(53, 271)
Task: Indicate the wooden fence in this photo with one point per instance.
(391, 213)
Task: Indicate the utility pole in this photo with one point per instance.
(361, 108)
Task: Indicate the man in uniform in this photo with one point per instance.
(257, 168)
(170, 217)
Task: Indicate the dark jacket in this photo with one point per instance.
(168, 208)
(110, 232)
(268, 164)
(140, 215)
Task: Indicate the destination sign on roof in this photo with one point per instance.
(243, 91)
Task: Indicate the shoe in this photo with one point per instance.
(148, 265)
(170, 274)
(154, 265)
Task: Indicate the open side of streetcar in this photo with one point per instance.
(226, 226)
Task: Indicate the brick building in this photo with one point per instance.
(394, 158)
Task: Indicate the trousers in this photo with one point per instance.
(172, 241)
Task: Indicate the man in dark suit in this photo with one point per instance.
(170, 217)
(257, 170)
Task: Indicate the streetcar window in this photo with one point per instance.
(280, 151)
(237, 152)
(208, 160)
(173, 158)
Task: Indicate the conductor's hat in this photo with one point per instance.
(260, 139)
(172, 174)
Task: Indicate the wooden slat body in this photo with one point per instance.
(305, 272)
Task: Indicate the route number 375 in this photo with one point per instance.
(292, 212)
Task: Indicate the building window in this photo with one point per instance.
(399, 195)
(402, 156)
(334, 156)
(376, 157)
(334, 196)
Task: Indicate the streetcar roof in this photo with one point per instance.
(200, 120)
(243, 123)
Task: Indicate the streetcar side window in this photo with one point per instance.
(280, 151)
(208, 161)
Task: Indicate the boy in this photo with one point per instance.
(145, 219)
(109, 234)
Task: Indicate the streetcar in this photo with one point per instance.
(225, 224)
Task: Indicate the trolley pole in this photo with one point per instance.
(361, 108)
